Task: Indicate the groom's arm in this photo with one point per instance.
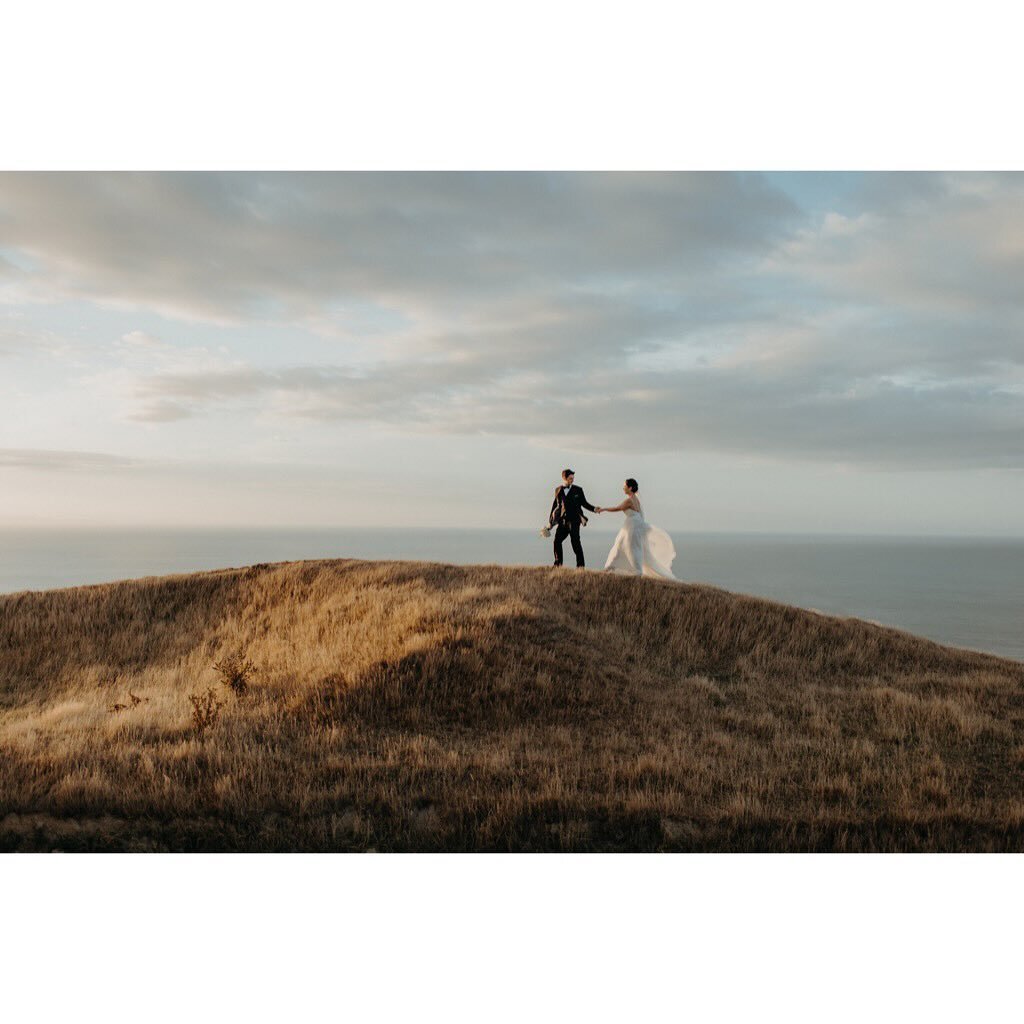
(551, 514)
(586, 504)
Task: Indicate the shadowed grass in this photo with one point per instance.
(413, 706)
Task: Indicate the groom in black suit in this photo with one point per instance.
(567, 516)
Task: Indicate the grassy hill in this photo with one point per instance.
(414, 706)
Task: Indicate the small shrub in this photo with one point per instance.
(205, 709)
(235, 673)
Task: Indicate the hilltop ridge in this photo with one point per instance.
(420, 706)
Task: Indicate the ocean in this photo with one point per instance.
(967, 592)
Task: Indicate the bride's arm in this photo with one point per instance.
(626, 503)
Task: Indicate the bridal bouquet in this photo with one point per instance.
(545, 531)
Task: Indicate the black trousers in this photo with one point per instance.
(572, 531)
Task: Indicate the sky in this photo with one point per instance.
(781, 352)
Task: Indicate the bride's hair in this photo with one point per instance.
(632, 485)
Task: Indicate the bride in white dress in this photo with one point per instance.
(639, 549)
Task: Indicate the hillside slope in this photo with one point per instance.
(415, 706)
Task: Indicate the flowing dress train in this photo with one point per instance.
(641, 549)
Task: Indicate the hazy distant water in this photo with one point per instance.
(967, 592)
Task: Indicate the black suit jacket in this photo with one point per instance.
(568, 508)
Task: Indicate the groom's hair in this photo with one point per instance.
(632, 485)
(568, 473)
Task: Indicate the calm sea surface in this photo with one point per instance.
(966, 592)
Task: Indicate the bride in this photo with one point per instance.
(639, 548)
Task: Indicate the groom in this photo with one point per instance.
(567, 516)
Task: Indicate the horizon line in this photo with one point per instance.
(311, 527)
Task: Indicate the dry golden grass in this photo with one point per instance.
(412, 706)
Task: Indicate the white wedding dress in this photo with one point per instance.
(641, 549)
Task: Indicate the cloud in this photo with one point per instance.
(817, 414)
(660, 312)
(18, 337)
(879, 424)
(159, 412)
(930, 243)
(230, 247)
(140, 357)
(63, 461)
(142, 341)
